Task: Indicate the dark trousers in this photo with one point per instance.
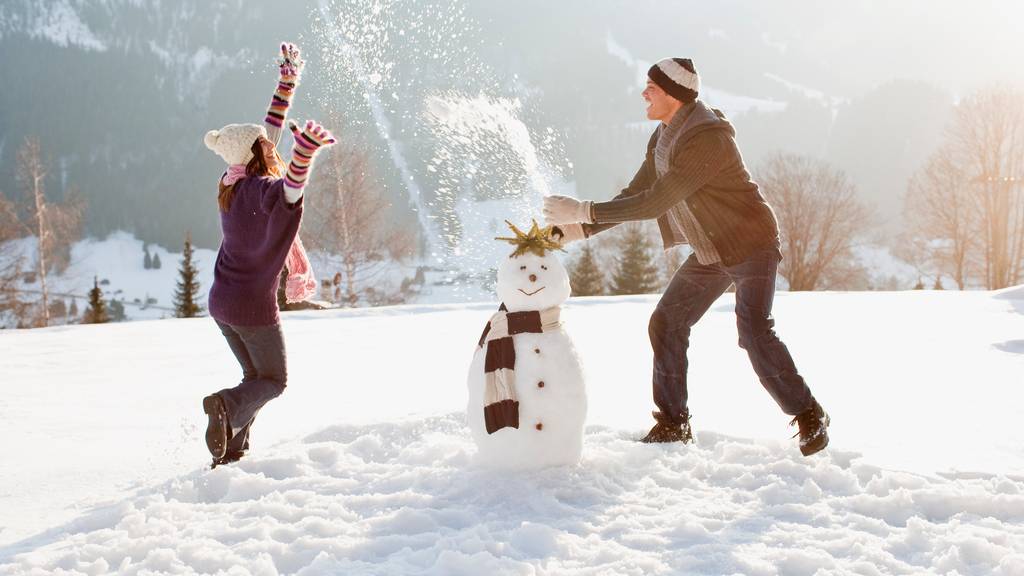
(260, 352)
(693, 289)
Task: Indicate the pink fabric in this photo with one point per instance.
(235, 173)
(301, 284)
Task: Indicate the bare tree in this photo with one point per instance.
(11, 258)
(347, 217)
(55, 225)
(986, 140)
(941, 219)
(819, 217)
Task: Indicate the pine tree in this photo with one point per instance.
(156, 261)
(73, 308)
(96, 313)
(585, 277)
(637, 273)
(147, 262)
(116, 310)
(185, 305)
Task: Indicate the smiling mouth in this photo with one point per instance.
(532, 293)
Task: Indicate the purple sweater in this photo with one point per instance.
(258, 233)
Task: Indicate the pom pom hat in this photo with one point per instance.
(234, 142)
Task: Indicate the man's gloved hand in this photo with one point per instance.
(566, 210)
(568, 233)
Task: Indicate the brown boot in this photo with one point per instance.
(667, 430)
(217, 426)
(813, 431)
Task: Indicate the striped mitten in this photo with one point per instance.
(307, 142)
(290, 68)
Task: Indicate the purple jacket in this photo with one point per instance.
(258, 232)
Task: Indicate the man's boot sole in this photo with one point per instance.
(216, 427)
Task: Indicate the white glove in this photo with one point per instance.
(566, 210)
(568, 233)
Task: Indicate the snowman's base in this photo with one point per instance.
(529, 448)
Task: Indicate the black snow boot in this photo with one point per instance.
(813, 432)
(668, 431)
(217, 427)
(228, 458)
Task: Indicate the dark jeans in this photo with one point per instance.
(260, 352)
(693, 289)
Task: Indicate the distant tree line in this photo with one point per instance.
(965, 207)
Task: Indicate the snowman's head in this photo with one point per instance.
(531, 282)
(532, 278)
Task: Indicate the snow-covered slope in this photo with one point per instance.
(364, 465)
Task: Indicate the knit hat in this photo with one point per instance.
(677, 77)
(233, 142)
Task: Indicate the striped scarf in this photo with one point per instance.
(501, 406)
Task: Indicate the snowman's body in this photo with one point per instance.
(548, 377)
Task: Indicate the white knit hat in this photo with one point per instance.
(233, 142)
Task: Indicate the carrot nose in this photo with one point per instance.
(533, 277)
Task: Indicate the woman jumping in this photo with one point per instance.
(260, 203)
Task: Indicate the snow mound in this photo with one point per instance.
(1011, 293)
(407, 498)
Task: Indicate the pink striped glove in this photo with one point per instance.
(290, 64)
(307, 141)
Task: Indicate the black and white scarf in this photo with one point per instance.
(501, 406)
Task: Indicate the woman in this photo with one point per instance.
(260, 203)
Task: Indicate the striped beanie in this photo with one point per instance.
(677, 77)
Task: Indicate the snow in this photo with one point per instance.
(60, 23)
(365, 464)
(119, 260)
(735, 104)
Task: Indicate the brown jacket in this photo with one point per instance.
(707, 172)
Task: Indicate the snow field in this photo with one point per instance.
(365, 465)
(407, 498)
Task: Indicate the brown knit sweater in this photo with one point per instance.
(708, 174)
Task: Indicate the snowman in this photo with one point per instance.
(527, 401)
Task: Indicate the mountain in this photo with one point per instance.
(120, 92)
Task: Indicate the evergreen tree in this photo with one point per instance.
(147, 262)
(637, 272)
(156, 261)
(185, 305)
(585, 276)
(938, 283)
(96, 313)
(116, 310)
(73, 308)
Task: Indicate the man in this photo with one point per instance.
(694, 182)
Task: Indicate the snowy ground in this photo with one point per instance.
(364, 466)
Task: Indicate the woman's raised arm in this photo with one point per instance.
(290, 65)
